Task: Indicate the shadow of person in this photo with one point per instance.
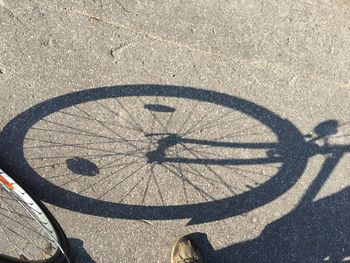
(81, 255)
(315, 232)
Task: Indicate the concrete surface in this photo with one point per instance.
(290, 57)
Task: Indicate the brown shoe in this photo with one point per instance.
(184, 251)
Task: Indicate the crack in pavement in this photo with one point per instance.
(259, 63)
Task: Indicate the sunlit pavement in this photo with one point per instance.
(280, 75)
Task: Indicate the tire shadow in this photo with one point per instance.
(287, 150)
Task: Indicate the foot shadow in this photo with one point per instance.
(81, 255)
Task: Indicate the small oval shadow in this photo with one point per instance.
(158, 108)
(326, 128)
(82, 166)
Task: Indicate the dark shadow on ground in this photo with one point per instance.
(319, 232)
(315, 231)
(288, 149)
(80, 254)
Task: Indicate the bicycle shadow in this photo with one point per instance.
(313, 232)
(291, 162)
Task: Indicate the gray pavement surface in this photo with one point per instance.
(292, 58)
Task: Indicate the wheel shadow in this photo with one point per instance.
(289, 149)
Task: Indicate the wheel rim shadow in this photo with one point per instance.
(13, 134)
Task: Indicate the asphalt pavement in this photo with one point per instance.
(137, 122)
